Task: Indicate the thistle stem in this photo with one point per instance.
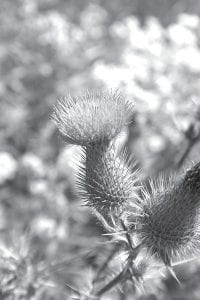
(190, 145)
(105, 264)
(133, 251)
(112, 283)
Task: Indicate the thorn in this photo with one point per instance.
(173, 274)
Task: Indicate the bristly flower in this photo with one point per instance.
(107, 179)
(93, 117)
(169, 222)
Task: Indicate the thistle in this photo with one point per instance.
(93, 121)
(92, 118)
(107, 180)
(168, 225)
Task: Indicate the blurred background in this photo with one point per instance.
(50, 245)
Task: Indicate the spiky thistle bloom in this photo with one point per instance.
(93, 121)
(107, 179)
(92, 117)
(169, 221)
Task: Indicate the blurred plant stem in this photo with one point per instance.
(184, 155)
(119, 278)
(114, 250)
(192, 135)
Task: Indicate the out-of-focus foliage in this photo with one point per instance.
(148, 49)
(159, 70)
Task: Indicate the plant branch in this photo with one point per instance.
(126, 272)
(105, 264)
(112, 283)
(190, 145)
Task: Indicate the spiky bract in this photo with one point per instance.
(169, 221)
(192, 180)
(93, 117)
(107, 179)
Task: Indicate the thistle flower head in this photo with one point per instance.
(168, 224)
(92, 117)
(107, 180)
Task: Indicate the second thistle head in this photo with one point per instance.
(93, 117)
(169, 221)
(109, 180)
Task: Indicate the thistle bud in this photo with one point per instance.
(107, 180)
(168, 225)
(92, 118)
